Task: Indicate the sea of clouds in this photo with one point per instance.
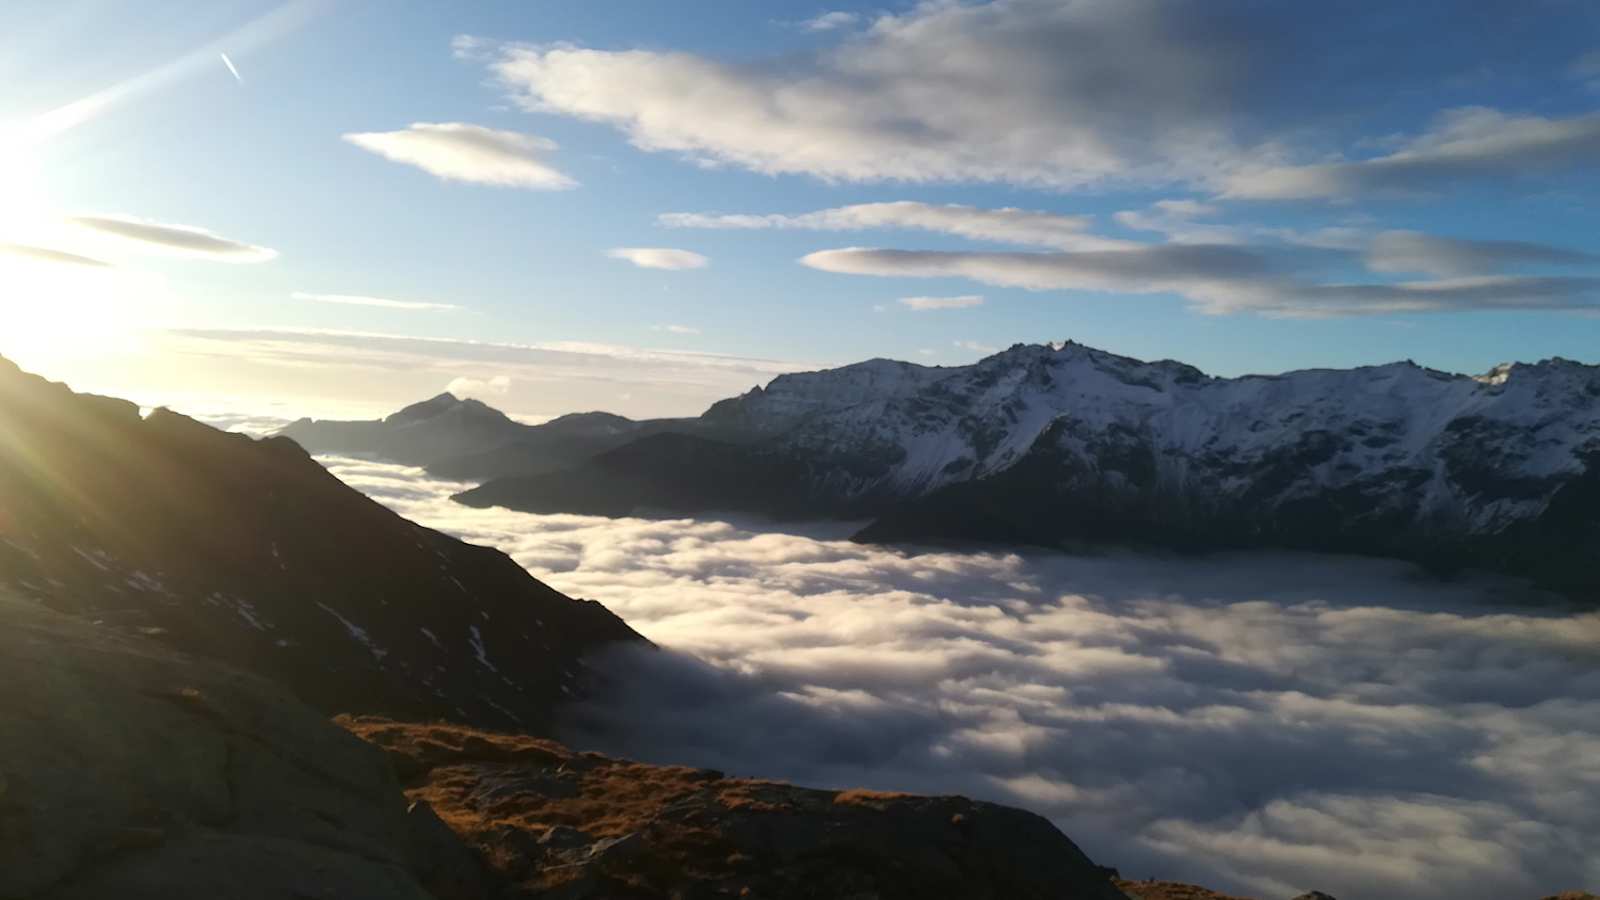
(1265, 724)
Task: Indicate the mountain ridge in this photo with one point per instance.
(251, 551)
(1085, 445)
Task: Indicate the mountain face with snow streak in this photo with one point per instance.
(1053, 443)
(251, 552)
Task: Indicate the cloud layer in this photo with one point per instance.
(1222, 279)
(1069, 93)
(1264, 724)
(361, 300)
(924, 304)
(1465, 144)
(659, 258)
(175, 240)
(379, 373)
(1008, 225)
(456, 151)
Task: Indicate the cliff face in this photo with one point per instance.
(250, 551)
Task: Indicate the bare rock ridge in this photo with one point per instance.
(250, 551)
(1047, 444)
(554, 823)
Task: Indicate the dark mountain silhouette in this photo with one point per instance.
(468, 440)
(250, 551)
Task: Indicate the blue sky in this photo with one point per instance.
(1246, 186)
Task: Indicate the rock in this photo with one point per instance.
(670, 831)
(562, 837)
(442, 862)
(1314, 895)
(135, 772)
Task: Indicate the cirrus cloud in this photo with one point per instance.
(1217, 279)
(361, 300)
(659, 258)
(1464, 144)
(924, 304)
(1008, 225)
(175, 240)
(456, 151)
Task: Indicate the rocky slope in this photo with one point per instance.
(554, 823)
(1047, 444)
(251, 552)
(130, 770)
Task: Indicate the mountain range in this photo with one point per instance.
(1065, 444)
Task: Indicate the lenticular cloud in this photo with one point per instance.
(1263, 724)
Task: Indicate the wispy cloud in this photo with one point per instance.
(493, 386)
(1008, 225)
(975, 347)
(46, 254)
(380, 372)
(676, 329)
(659, 258)
(924, 304)
(1464, 144)
(232, 69)
(177, 240)
(360, 300)
(1412, 251)
(456, 151)
(1217, 279)
(831, 21)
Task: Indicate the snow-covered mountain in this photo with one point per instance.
(1473, 453)
(1048, 443)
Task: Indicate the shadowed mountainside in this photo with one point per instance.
(252, 552)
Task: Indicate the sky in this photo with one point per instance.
(336, 208)
(1261, 724)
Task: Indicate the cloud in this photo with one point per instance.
(1264, 724)
(45, 254)
(659, 258)
(1216, 279)
(1411, 251)
(676, 329)
(456, 151)
(232, 69)
(1464, 144)
(359, 300)
(1008, 225)
(497, 386)
(923, 304)
(830, 21)
(177, 240)
(975, 347)
(378, 373)
(1094, 89)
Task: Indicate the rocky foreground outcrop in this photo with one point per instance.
(128, 770)
(554, 823)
